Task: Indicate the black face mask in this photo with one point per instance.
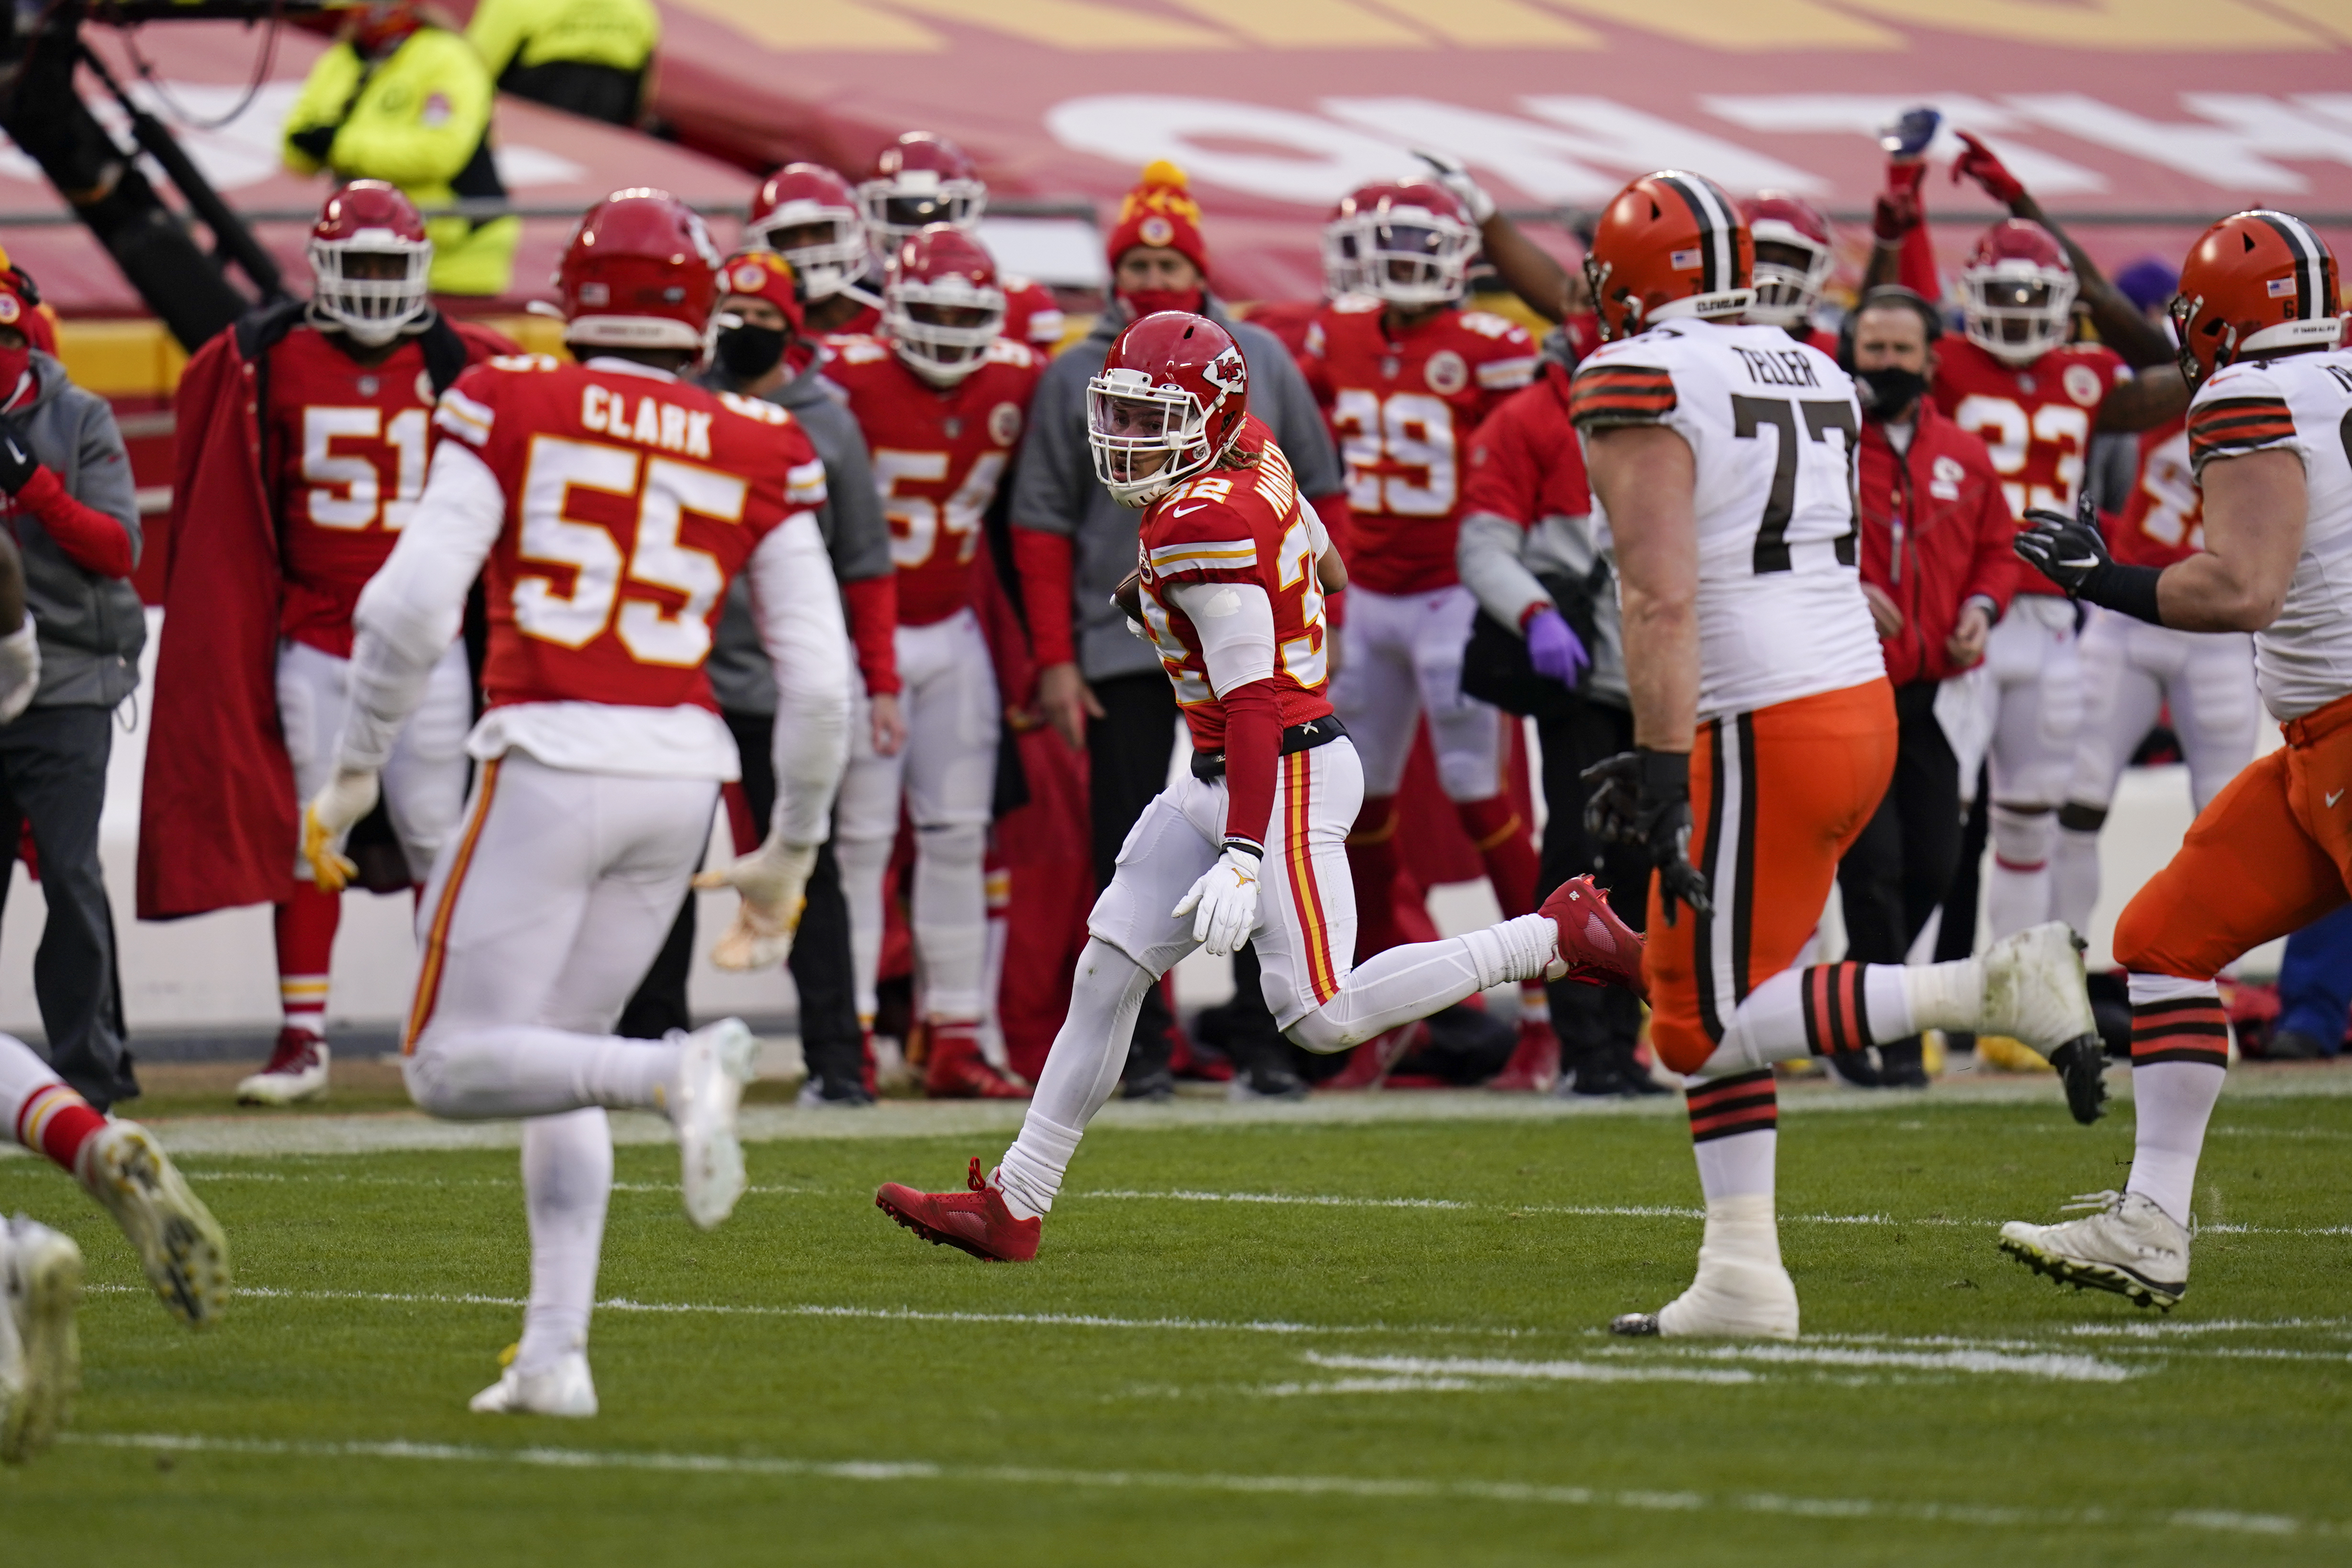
(751, 352)
(1889, 393)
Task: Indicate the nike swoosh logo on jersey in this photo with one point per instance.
(2332, 798)
(1186, 511)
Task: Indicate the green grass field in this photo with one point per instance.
(1393, 1359)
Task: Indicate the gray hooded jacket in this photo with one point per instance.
(1055, 490)
(850, 520)
(91, 628)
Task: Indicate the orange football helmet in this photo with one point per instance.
(2255, 282)
(1669, 245)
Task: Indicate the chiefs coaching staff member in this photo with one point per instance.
(304, 431)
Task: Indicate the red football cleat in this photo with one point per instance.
(957, 1070)
(1595, 947)
(976, 1221)
(1534, 1067)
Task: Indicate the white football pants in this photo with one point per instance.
(946, 774)
(425, 778)
(2037, 696)
(541, 916)
(1401, 657)
(2131, 672)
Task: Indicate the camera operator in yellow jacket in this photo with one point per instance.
(403, 98)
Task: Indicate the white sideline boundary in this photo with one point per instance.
(1387, 1490)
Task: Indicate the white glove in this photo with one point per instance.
(350, 795)
(1223, 903)
(772, 880)
(20, 669)
(1454, 175)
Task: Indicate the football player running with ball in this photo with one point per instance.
(612, 503)
(1250, 842)
(2270, 440)
(1721, 460)
(942, 400)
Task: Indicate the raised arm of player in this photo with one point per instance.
(1527, 269)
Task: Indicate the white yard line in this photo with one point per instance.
(1386, 1489)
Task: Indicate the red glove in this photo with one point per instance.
(1896, 215)
(1981, 164)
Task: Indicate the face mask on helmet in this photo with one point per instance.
(917, 198)
(2017, 313)
(1414, 263)
(827, 251)
(942, 330)
(1146, 440)
(374, 286)
(1787, 280)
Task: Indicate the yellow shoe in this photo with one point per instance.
(1932, 1054)
(2000, 1053)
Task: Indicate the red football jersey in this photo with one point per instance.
(632, 502)
(1236, 525)
(1032, 315)
(1526, 463)
(939, 455)
(1404, 409)
(1289, 320)
(349, 444)
(2164, 521)
(2036, 419)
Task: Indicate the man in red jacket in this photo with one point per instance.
(1936, 569)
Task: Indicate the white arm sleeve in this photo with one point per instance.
(798, 606)
(1236, 622)
(410, 612)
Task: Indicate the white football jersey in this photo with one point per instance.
(2300, 403)
(1773, 426)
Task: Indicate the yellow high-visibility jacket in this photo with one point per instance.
(417, 120)
(618, 33)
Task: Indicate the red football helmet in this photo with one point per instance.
(640, 273)
(1793, 256)
(1669, 245)
(1169, 400)
(2017, 292)
(918, 181)
(370, 262)
(2256, 282)
(809, 215)
(941, 305)
(760, 274)
(1407, 241)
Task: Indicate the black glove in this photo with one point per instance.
(2072, 553)
(317, 142)
(1643, 798)
(17, 464)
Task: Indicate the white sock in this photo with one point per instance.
(951, 917)
(1031, 1175)
(2017, 890)
(864, 862)
(1742, 1228)
(1738, 1167)
(526, 1070)
(567, 1179)
(1810, 1012)
(1080, 1071)
(2074, 877)
(1413, 981)
(2172, 1100)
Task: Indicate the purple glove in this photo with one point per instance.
(1554, 648)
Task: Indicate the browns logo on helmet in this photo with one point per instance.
(2017, 292)
(369, 263)
(808, 214)
(1670, 245)
(1167, 402)
(941, 304)
(2256, 282)
(1794, 252)
(640, 273)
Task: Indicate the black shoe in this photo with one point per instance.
(1856, 1068)
(1610, 1075)
(1159, 1084)
(2293, 1045)
(1900, 1065)
(1267, 1081)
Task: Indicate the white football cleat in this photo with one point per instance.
(2034, 992)
(714, 1063)
(40, 1355)
(563, 1389)
(1741, 1291)
(297, 1072)
(178, 1242)
(2130, 1246)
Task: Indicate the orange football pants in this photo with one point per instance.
(1777, 798)
(2270, 855)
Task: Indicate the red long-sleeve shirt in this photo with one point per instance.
(1936, 532)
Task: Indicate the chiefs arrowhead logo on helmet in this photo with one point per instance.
(1670, 245)
(1169, 400)
(1228, 372)
(2255, 282)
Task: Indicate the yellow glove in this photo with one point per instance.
(772, 880)
(350, 795)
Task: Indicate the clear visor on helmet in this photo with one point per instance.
(373, 285)
(1413, 261)
(918, 198)
(2017, 313)
(942, 330)
(1788, 279)
(1145, 439)
(826, 245)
